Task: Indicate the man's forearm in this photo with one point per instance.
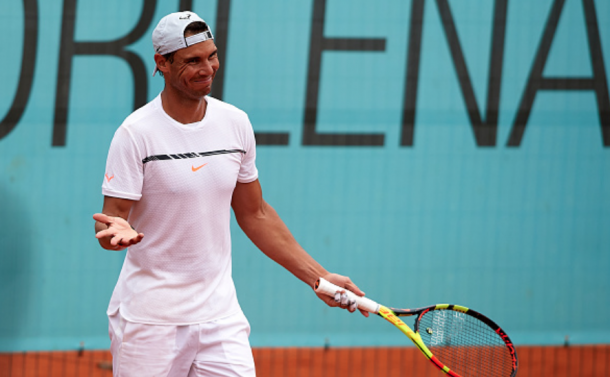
(269, 233)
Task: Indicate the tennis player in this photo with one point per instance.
(175, 168)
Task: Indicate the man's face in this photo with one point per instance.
(193, 69)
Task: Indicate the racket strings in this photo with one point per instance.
(465, 344)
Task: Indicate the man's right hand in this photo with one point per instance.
(118, 233)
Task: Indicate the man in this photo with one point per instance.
(175, 168)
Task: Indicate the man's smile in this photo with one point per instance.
(206, 80)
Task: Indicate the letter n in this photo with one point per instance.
(484, 129)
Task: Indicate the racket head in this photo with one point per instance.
(466, 341)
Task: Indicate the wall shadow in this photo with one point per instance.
(15, 268)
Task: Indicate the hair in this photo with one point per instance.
(193, 29)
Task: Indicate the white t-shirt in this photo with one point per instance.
(182, 177)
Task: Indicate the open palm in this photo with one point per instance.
(120, 232)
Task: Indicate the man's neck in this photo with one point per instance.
(182, 109)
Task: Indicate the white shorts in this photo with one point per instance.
(216, 348)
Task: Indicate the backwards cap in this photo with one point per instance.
(168, 36)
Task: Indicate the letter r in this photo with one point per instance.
(69, 48)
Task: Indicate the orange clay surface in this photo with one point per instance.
(573, 361)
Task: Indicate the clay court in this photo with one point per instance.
(572, 361)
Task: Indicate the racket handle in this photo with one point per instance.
(326, 287)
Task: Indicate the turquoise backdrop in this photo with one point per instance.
(519, 230)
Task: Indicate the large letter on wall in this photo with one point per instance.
(28, 62)
(484, 130)
(318, 44)
(598, 83)
(69, 48)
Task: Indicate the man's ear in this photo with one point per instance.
(162, 63)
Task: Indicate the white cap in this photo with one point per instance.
(168, 36)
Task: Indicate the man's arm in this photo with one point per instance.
(111, 227)
(267, 231)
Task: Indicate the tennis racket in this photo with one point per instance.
(458, 340)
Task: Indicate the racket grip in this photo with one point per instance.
(326, 287)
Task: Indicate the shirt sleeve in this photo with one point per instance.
(124, 175)
(248, 171)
